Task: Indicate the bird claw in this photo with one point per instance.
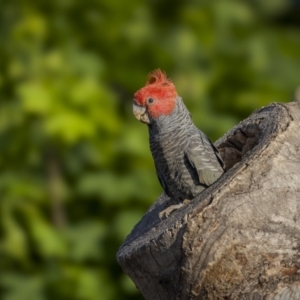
(166, 212)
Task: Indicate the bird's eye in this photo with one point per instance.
(150, 100)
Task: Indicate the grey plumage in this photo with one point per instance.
(185, 159)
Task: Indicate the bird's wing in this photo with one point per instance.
(204, 157)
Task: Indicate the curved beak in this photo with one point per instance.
(140, 113)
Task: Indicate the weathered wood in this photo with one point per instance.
(240, 238)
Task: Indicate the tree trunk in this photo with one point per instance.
(240, 238)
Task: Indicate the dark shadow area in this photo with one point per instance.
(238, 143)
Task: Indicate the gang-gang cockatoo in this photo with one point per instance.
(186, 161)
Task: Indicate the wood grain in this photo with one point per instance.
(240, 238)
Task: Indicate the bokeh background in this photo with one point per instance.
(76, 172)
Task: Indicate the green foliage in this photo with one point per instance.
(76, 172)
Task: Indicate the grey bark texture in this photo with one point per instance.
(240, 238)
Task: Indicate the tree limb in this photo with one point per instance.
(240, 238)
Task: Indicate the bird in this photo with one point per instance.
(186, 161)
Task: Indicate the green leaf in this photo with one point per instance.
(20, 287)
(85, 241)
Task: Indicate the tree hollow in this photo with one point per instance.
(240, 238)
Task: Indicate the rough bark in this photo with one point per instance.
(240, 238)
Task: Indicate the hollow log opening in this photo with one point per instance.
(238, 144)
(240, 238)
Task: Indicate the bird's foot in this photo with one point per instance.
(166, 212)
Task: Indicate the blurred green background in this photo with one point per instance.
(76, 172)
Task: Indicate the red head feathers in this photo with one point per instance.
(158, 95)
